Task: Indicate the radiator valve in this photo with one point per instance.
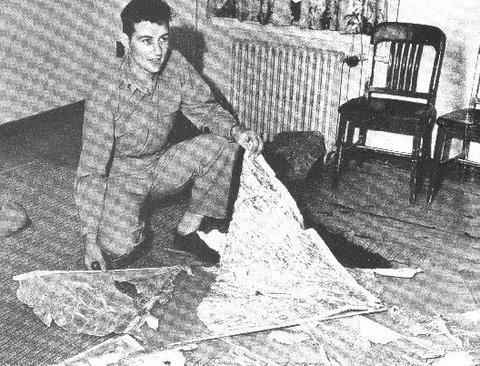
(351, 61)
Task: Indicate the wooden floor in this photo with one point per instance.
(370, 209)
(366, 221)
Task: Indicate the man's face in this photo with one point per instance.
(149, 45)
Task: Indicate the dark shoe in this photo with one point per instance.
(193, 244)
(210, 223)
(126, 260)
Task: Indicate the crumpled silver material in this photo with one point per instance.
(95, 302)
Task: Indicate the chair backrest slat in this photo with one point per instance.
(414, 57)
(407, 44)
(403, 82)
(402, 73)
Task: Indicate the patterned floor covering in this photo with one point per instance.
(37, 170)
(366, 221)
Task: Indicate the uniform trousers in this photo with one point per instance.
(206, 160)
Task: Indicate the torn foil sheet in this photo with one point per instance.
(106, 353)
(125, 351)
(94, 302)
(272, 269)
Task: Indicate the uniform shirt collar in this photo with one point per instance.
(131, 81)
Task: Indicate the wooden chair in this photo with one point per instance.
(463, 124)
(395, 101)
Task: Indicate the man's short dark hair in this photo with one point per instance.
(155, 11)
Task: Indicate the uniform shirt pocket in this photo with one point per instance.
(132, 142)
(132, 130)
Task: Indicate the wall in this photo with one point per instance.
(459, 20)
(220, 32)
(51, 50)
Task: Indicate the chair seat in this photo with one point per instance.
(385, 115)
(360, 107)
(462, 124)
(460, 117)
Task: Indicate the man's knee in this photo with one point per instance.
(117, 241)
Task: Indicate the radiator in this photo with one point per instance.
(277, 88)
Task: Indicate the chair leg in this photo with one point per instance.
(362, 138)
(414, 168)
(467, 170)
(425, 157)
(434, 171)
(465, 173)
(341, 145)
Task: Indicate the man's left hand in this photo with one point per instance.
(249, 140)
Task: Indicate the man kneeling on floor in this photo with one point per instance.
(126, 157)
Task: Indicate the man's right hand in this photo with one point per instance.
(93, 254)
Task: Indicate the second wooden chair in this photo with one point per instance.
(463, 124)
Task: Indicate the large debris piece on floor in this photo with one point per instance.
(466, 328)
(94, 302)
(124, 351)
(273, 271)
(109, 352)
(293, 154)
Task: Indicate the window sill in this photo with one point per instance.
(309, 37)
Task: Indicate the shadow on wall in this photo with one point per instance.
(454, 73)
(191, 44)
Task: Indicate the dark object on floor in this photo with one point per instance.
(13, 218)
(127, 260)
(347, 253)
(126, 287)
(292, 155)
(462, 124)
(193, 244)
(210, 223)
(398, 50)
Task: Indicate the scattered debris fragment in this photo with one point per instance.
(167, 357)
(252, 355)
(95, 302)
(107, 353)
(417, 329)
(376, 332)
(466, 327)
(442, 327)
(273, 271)
(455, 359)
(324, 357)
(284, 337)
(359, 341)
(151, 321)
(397, 272)
(13, 218)
(126, 351)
